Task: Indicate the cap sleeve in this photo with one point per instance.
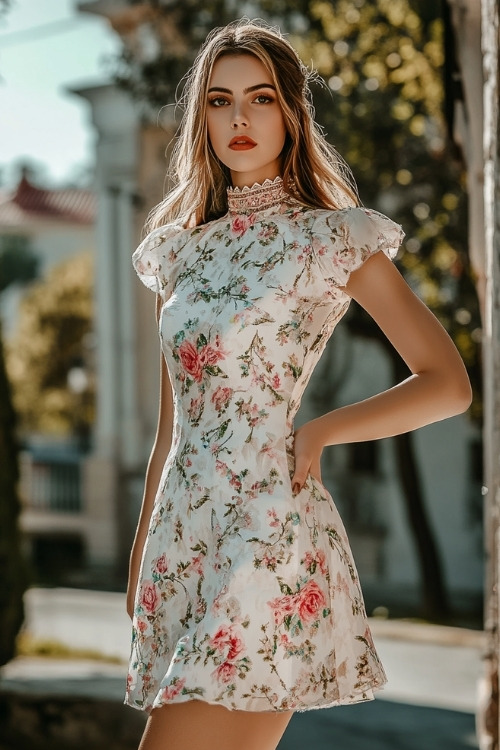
(345, 239)
(154, 257)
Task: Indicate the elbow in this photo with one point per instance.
(464, 399)
(460, 403)
(459, 394)
(451, 392)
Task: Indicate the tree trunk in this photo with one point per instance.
(12, 566)
(489, 713)
(434, 599)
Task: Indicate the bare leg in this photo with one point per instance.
(196, 725)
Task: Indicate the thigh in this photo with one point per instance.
(196, 725)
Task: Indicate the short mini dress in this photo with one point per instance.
(248, 595)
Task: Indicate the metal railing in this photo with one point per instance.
(51, 483)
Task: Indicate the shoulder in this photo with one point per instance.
(343, 240)
(354, 221)
(160, 235)
(153, 258)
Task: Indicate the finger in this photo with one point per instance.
(300, 474)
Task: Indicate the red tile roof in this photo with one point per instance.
(29, 203)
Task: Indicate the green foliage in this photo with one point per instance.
(55, 317)
(383, 108)
(178, 27)
(18, 263)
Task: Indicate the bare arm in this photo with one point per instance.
(154, 470)
(438, 387)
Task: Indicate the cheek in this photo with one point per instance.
(279, 128)
(213, 128)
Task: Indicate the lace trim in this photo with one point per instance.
(258, 197)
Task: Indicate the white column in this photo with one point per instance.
(116, 119)
(130, 452)
(106, 292)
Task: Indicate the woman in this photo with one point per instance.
(245, 599)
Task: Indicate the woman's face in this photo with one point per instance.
(244, 120)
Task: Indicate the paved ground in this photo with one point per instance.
(429, 703)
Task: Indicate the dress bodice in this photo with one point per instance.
(248, 594)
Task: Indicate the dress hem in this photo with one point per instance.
(363, 695)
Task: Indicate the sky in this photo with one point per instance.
(46, 47)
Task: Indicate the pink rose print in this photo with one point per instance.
(149, 597)
(209, 356)
(312, 560)
(161, 565)
(172, 691)
(311, 600)
(319, 246)
(141, 625)
(227, 642)
(195, 408)
(190, 360)
(225, 672)
(221, 397)
(283, 606)
(306, 604)
(267, 232)
(241, 223)
(196, 565)
(321, 560)
(273, 518)
(342, 584)
(269, 560)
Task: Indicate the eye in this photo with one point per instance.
(217, 101)
(263, 99)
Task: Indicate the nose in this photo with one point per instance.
(238, 118)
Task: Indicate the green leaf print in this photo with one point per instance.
(201, 341)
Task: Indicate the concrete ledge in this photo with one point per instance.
(34, 722)
(65, 704)
(417, 632)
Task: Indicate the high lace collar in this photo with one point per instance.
(259, 197)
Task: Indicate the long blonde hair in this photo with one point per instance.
(312, 170)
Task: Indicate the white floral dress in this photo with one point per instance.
(248, 594)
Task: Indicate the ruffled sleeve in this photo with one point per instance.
(344, 240)
(154, 258)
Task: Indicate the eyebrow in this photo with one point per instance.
(245, 91)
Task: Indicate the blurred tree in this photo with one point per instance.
(153, 61)
(55, 319)
(382, 107)
(12, 566)
(18, 263)
(383, 65)
(13, 572)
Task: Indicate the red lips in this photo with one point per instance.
(241, 143)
